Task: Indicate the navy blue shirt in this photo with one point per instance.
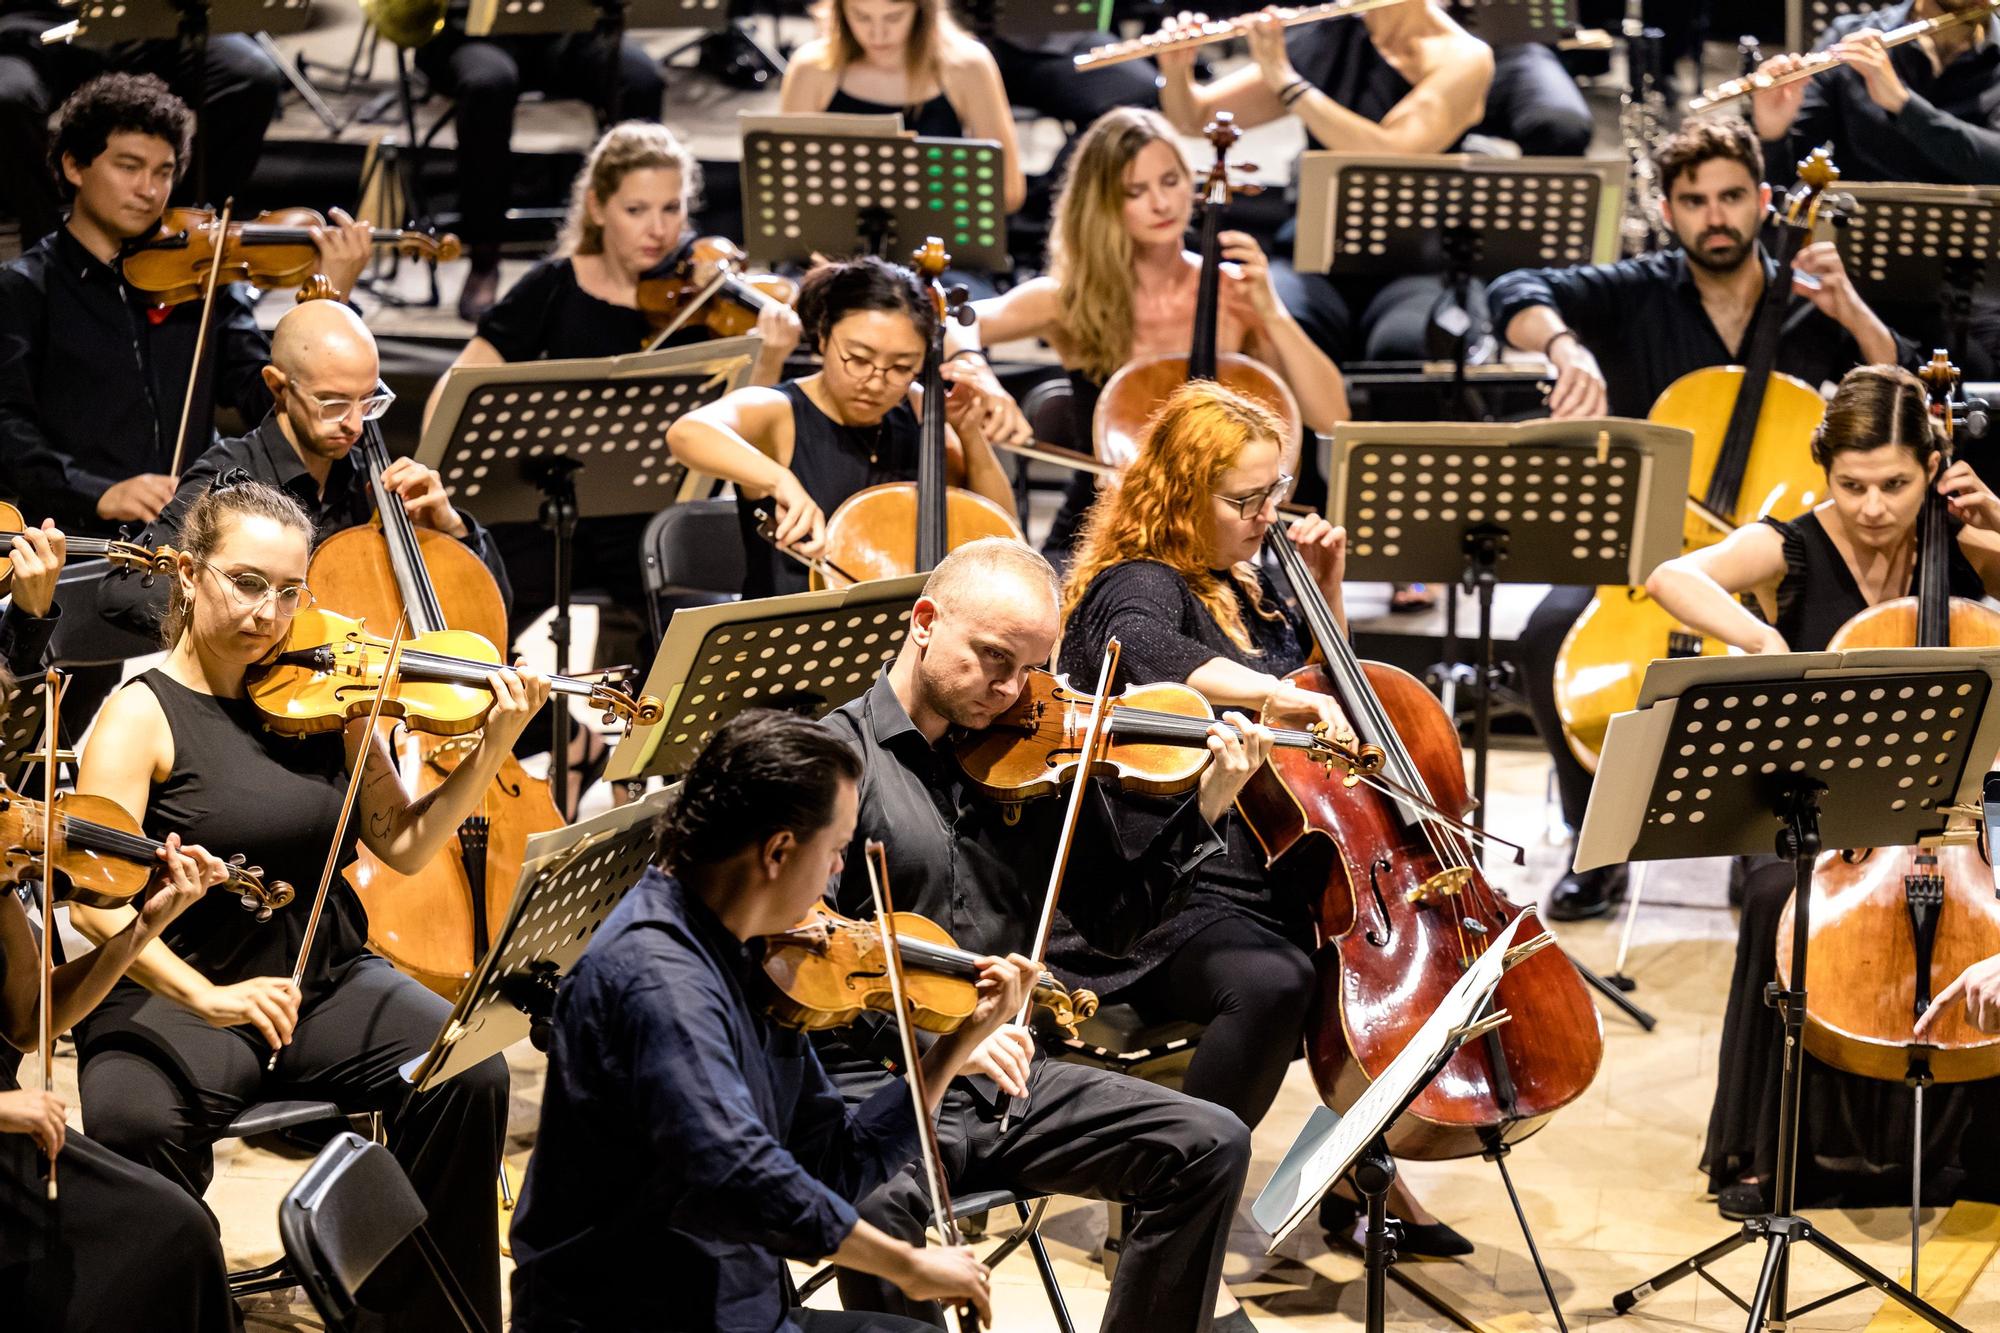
(686, 1142)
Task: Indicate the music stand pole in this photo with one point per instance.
(555, 478)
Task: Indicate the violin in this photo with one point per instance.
(1752, 456)
(705, 284)
(1159, 741)
(149, 561)
(826, 971)
(273, 251)
(329, 670)
(1900, 922)
(104, 856)
(1131, 396)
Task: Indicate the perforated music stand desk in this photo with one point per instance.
(1903, 240)
(805, 652)
(104, 22)
(809, 191)
(570, 880)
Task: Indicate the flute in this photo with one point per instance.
(1219, 30)
(1818, 62)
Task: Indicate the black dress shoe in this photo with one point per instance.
(1431, 1240)
(1582, 894)
(1745, 1199)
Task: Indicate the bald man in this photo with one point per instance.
(325, 382)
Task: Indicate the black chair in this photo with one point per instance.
(1029, 1208)
(272, 1118)
(348, 1212)
(692, 556)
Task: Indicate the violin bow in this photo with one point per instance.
(389, 669)
(45, 1025)
(216, 247)
(877, 860)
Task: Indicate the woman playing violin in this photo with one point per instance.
(173, 1054)
(799, 450)
(1167, 565)
(1810, 575)
(111, 1216)
(1122, 284)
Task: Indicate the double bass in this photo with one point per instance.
(1898, 923)
(1752, 431)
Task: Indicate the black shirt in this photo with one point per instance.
(686, 1142)
(1643, 320)
(93, 374)
(125, 599)
(547, 314)
(1817, 594)
(1948, 133)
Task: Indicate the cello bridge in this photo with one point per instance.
(1445, 884)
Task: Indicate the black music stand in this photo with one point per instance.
(1459, 216)
(1513, 22)
(1902, 239)
(1829, 751)
(813, 191)
(550, 441)
(804, 652)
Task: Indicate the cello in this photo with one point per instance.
(1898, 923)
(1752, 428)
(1405, 909)
(1132, 395)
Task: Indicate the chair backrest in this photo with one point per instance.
(693, 548)
(351, 1208)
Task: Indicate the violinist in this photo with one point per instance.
(1853, 550)
(186, 1043)
(987, 615)
(1620, 334)
(325, 383)
(1122, 284)
(802, 448)
(744, 1152)
(111, 1216)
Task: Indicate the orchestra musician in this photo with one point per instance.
(1620, 334)
(181, 1046)
(1855, 549)
(111, 1215)
(1122, 284)
(987, 615)
(485, 77)
(664, 1069)
(810, 443)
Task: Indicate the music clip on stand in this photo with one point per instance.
(1900, 239)
(1823, 751)
(549, 442)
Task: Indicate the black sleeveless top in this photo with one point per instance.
(1341, 61)
(548, 315)
(236, 787)
(832, 462)
(935, 119)
(1818, 594)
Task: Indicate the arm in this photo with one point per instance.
(477, 352)
(746, 438)
(1554, 312)
(1957, 149)
(1836, 298)
(970, 460)
(1700, 589)
(1190, 106)
(1277, 338)
(1447, 99)
(44, 479)
(810, 80)
(30, 619)
(983, 106)
(125, 598)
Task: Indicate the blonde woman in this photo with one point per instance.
(877, 57)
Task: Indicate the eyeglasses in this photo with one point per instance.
(1249, 506)
(249, 591)
(332, 411)
(864, 370)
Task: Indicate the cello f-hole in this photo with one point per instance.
(1388, 932)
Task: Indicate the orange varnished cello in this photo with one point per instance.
(1405, 909)
(1896, 924)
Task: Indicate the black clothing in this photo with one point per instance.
(93, 374)
(832, 462)
(1948, 134)
(267, 456)
(1536, 649)
(24, 642)
(1178, 1161)
(1341, 61)
(1535, 103)
(548, 314)
(935, 119)
(664, 1071)
(159, 1083)
(1041, 75)
(1818, 594)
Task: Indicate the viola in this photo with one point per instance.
(103, 855)
(1405, 909)
(273, 251)
(149, 561)
(1898, 923)
(1159, 741)
(330, 669)
(705, 284)
(827, 971)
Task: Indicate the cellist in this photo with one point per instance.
(1855, 549)
(1620, 334)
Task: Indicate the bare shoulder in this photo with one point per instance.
(131, 735)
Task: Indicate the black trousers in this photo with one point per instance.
(1395, 315)
(1541, 639)
(487, 77)
(159, 1085)
(242, 90)
(1535, 103)
(1048, 81)
(121, 1240)
(1179, 1162)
